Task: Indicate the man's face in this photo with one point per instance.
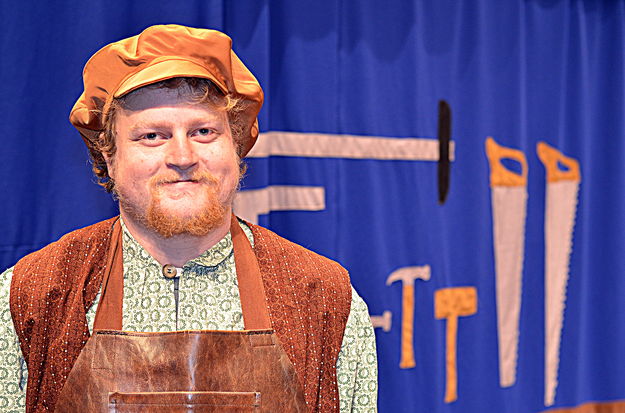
(175, 167)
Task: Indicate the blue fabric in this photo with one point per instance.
(522, 72)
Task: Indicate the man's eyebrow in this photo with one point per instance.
(160, 124)
(149, 125)
(206, 122)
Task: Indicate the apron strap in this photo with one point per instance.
(109, 313)
(251, 290)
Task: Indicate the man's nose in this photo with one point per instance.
(180, 152)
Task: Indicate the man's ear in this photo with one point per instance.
(110, 164)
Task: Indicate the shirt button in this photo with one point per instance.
(169, 271)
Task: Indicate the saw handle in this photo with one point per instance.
(499, 174)
(550, 157)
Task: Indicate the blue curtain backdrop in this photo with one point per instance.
(519, 71)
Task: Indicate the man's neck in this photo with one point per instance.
(179, 249)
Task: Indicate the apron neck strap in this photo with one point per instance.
(109, 313)
(251, 290)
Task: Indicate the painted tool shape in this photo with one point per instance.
(563, 177)
(509, 206)
(407, 275)
(383, 321)
(451, 303)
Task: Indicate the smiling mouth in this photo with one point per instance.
(181, 185)
(179, 189)
(181, 181)
(174, 179)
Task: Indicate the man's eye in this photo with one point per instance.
(204, 131)
(151, 136)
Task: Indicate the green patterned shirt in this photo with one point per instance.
(208, 300)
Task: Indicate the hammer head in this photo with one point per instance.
(455, 302)
(383, 321)
(408, 274)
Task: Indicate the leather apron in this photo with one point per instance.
(183, 371)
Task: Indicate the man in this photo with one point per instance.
(102, 316)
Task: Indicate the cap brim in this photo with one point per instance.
(163, 70)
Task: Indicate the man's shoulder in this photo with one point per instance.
(266, 239)
(78, 243)
(303, 267)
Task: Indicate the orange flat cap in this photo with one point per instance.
(160, 53)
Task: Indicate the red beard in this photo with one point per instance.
(167, 225)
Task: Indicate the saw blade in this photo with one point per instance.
(562, 189)
(509, 204)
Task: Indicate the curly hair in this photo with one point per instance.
(195, 90)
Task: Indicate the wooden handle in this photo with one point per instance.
(407, 347)
(451, 388)
(499, 175)
(551, 157)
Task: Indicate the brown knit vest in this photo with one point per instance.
(308, 298)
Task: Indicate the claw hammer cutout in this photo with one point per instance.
(451, 303)
(407, 275)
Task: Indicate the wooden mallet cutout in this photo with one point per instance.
(451, 303)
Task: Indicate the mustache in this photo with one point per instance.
(202, 177)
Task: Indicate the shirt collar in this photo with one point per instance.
(212, 257)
